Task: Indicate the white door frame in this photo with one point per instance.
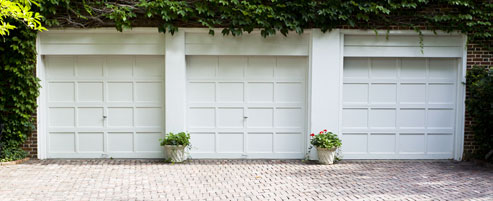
(461, 75)
(70, 46)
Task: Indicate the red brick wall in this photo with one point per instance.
(31, 145)
(479, 53)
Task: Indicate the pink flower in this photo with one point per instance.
(321, 132)
(325, 130)
(312, 134)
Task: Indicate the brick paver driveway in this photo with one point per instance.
(244, 180)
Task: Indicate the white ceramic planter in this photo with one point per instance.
(326, 156)
(175, 152)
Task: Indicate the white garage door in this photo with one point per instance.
(104, 106)
(397, 108)
(246, 107)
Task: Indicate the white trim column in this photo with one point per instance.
(175, 82)
(325, 82)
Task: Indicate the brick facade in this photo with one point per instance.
(479, 53)
(31, 145)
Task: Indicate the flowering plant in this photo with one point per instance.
(325, 139)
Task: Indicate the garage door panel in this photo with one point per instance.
(62, 142)
(230, 117)
(61, 117)
(260, 68)
(231, 67)
(230, 142)
(149, 67)
(201, 92)
(290, 92)
(120, 142)
(355, 143)
(201, 118)
(89, 66)
(289, 118)
(382, 118)
(260, 92)
(90, 91)
(90, 117)
(382, 143)
(148, 92)
(383, 93)
(289, 68)
(91, 142)
(412, 143)
(441, 93)
(412, 68)
(383, 68)
(201, 67)
(238, 112)
(288, 143)
(359, 118)
(119, 67)
(440, 118)
(120, 91)
(355, 93)
(441, 69)
(260, 142)
(260, 117)
(411, 113)
(120, 117)
(60, 67)
(356, 68)
(412, 94)
(142, 142)
(203, 142)
(61, 92)
(230, 92)
(411, 118)
(440, 143)
(148, 117)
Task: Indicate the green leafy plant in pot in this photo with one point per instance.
(174, 145)
(326, 144)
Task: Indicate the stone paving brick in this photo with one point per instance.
(244, 180)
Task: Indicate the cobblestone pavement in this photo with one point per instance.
(244, 180)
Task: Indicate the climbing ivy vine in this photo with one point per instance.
(472, 17)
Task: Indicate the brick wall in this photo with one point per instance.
(479, 53)
(31, 145)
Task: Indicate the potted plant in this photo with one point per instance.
(174, 145)
(326, 144)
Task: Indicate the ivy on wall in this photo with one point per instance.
(480, 107)
(18, 88)
(472, 17)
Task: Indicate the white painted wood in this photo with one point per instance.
(403, 46)
(325, 82)
(91, 42)
(247, 44)
(390, 114)
(402, 41)
(175, 83)
(104, 106)
(246, 107)
(41, 101)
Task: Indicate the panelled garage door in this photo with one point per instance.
(399, 108)
(246, 107)
(104, 106)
